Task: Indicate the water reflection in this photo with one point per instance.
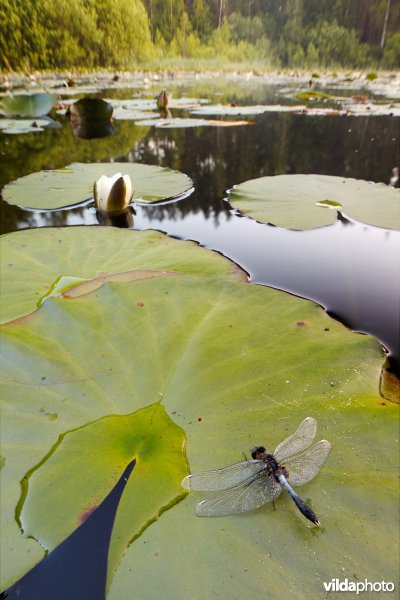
(123, 219)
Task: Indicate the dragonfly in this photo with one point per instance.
(252, 483)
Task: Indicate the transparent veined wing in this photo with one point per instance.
(221, 479)
(257, 491)
(301, 439)
(305, 466)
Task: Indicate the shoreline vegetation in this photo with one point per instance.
(383, 83)
(198, 35)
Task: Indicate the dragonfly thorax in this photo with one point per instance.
(273, 468)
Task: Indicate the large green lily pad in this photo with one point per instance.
(234, 365)
(306, 201)
(73, 184)
(101, 450)
(32, 262)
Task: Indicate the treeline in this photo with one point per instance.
(52, 34)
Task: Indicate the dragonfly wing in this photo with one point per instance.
(305, 466)
(221, 479)
(301, 439)
(257, 491)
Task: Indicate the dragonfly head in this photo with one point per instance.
(258, 452)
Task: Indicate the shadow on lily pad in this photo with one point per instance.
(77, 568)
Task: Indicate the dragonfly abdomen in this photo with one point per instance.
(301, 505)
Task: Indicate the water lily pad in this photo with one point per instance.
(147, 104)
(27, 105)
(126, 114)
(300, 201)
(15, 126)
(188, 122)
(101, 450)
(73, 184)
(226, 109)
(376, 110)
(313, 95)
(35, 263)
(229, 383)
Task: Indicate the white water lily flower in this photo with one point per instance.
(114, 193)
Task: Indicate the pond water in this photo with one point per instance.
(351, 269)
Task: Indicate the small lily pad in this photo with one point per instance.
(27, 105)
(188, 122)
(313, 96)
(133, 114)
(66, 187)
(299, 201)
(15, 126)
(220, 109)
(376, 110)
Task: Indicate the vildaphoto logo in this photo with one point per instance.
(347, 585)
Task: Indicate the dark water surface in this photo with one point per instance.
(349, 268)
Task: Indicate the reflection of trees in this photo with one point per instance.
(359, 147)
(218, 158)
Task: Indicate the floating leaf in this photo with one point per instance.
(149, 104)
(299, 201)
(86, 464)
(229, 383)
(32, 262)
(15, 126)
(226, 109)
(73, 184)
(313, 95)
(125, 114)
(188, 122)
(27, 105)
(376, 110)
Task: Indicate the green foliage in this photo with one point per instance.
(391, 53)
(72, 33)
(336, 45)
(123, 33)
(245, 28)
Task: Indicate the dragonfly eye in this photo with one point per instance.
(257, 452)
